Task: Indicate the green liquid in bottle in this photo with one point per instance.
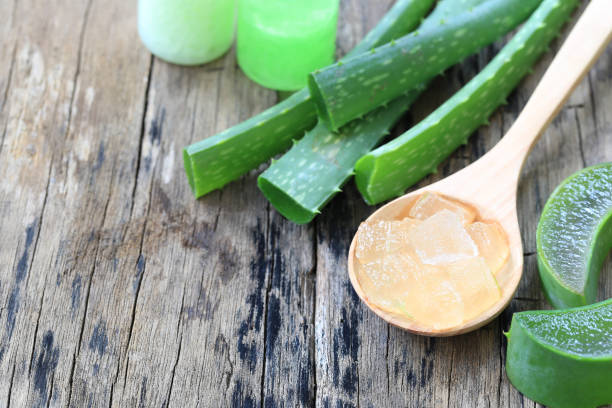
(281, 41)
(187, 32)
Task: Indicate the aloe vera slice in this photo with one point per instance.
(213, 162)
(563, 358)
(303, 180)
(390, 169)
(575, 235)
(351, 88)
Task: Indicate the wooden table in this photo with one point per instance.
(117, 288)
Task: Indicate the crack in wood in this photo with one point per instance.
(178, 356)
(501, 365)
(9, 77)
(219, 206)
(42, 297)
(50, 396)
(6, 92)
(580, 142)
(269, 275)
(10, 389)
(450, 377)
(179, 336)
(593, 103)
(387, 358)
(145, 110)
(82, 328)
(526, 299)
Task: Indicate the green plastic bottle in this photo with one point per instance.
(281, 41)
(187, 32)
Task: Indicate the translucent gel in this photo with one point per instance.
(492, 243)
(435, 270)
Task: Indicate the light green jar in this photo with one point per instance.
(187, 32)
(281, 41)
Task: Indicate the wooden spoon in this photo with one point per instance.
(490, 184)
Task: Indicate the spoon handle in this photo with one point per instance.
(583, 46)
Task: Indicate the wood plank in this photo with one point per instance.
(84, 267)
(36, 114)
(96, 194)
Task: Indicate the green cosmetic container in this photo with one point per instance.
(187, 32)
(281, 41)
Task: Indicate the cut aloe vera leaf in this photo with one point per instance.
(390, 169)
(213, 162)
(563, 358)
(575, 235)
(352, 88)
(305, 178)
(301, 182)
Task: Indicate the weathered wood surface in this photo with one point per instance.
(118, 289)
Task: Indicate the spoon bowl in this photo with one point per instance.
(491, 207)
(490, 184)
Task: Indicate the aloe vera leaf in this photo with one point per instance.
(213, 162)
(304, 179)
(351, 88)
(389, 170)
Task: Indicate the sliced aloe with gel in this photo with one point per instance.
(563, 358)
(575, 236)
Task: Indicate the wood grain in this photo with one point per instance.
(118, 289)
